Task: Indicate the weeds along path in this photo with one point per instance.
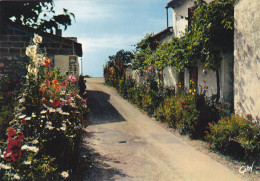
(125, 144)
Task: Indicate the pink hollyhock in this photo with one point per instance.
(72, 79)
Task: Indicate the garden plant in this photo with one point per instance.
(44, 134)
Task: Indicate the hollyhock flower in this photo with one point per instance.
(31, 51)
(72, 79)
(30, 148)
(74, 95)
(37, 39)
(3, 166)
(58, 88)
(13, 152)
(47, 62)
(55, 103)
(64, 83)
(55, 82)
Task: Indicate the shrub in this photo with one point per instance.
(165, 111)
(236, 136)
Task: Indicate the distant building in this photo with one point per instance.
(14, 39)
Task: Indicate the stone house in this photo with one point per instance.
(182, 10)
(63, 52)
(247, 58)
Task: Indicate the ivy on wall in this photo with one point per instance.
(210, 32)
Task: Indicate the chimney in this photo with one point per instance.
(58, 32)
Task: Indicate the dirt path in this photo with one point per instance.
(127, 145)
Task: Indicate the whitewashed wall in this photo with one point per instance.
(247, 57)
(179, 14)
(170, 77)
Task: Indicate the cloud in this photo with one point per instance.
(86, 10)
(108, 42)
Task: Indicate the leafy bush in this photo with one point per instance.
(237, 136)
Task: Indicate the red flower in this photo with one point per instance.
(65, 83)
(24, 121)
(55, 82)
(47, 62)
(55, 103)
(13, 152)
(249, 117)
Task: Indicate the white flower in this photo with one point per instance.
(64, 174)
(6, 167)
(17, 177)
(49, 125)
(43, 112)
(37, 39)
(64, 113)
(27, 162)
(28, 118)
(22, 100)
(35, 142)
(30, 148)
(33, 115)
(31, 51)
(64, 127)
(22, 116)
(42, 117)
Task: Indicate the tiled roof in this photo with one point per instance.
(163, 32)
(174, 3)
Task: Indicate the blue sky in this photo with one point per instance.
(107, 26)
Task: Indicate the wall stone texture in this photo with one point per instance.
(247, 58)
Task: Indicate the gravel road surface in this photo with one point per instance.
(125, 144)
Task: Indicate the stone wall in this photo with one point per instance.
(14, 40)
(247, 58)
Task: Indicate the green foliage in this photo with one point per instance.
(236, 136)
(210, 32)
(39, 15)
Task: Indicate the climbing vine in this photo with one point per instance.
(209, 33)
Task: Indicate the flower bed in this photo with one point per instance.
(190, 112)
(45, 133)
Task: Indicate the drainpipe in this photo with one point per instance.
(167, 17)
(81, 73)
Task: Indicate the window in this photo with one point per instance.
(73, 65)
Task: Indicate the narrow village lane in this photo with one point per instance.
(128, 145)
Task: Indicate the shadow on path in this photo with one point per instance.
(98, 169)
(101, 110)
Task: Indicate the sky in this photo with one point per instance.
(104, 27)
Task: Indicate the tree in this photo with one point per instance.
(35, 14)
(122, 55)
